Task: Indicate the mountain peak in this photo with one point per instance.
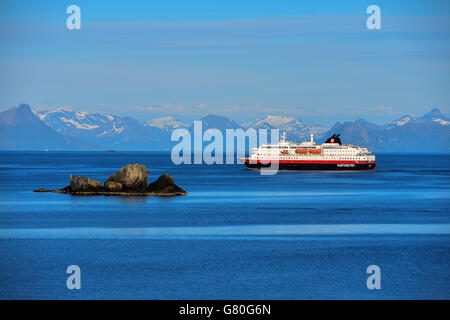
(21, 129)
(22, 107)
(213, 117)
(361, 120)
(435, 110)
(218, 122)
(168, 118)
(367, 124)
(294, 128)
(275, 121)
(280, 120)
(20, 113)
(275, 117)
(433, 114)
(166, 123)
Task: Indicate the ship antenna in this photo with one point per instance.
(312, 138)
(283, 137)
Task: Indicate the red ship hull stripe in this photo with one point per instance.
(309, 161)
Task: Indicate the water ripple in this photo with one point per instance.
(224, 232)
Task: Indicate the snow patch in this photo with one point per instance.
(78, 125)
(402, 121)
(113, 130)
(81, 115)
(441, 121)
(166, 122)
(40, 115)
(280, 122)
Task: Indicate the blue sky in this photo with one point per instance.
(315, 60)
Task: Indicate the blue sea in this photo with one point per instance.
(237, 235)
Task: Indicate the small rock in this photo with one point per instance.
(78, 183)
(172, 189)
(113, 186)
(165, 185)
(131, 176)
(65, 190)
(131, 180)
(163, 181)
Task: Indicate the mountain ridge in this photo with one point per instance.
(429, 133)
(71, 129)
(21, 129)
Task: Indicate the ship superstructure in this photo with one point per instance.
(330, 155)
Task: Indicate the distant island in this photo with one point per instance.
(130, 180)
(69, 130)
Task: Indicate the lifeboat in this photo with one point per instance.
(301, 151)
(284, 152)
(315, 151)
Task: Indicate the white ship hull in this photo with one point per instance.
(331, 155)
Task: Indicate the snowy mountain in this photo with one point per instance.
(429, 133)
(434, 115)
(21, 129)
(295, 129)
(399, 122)
(69, 122)
(274, 122)
(212, 121)
(67, 129)
(110, 132)
(167, 123)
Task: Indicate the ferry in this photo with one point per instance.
(330, 155)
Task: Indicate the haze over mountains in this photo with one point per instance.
(65, 129)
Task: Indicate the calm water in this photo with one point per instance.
(295, 235)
